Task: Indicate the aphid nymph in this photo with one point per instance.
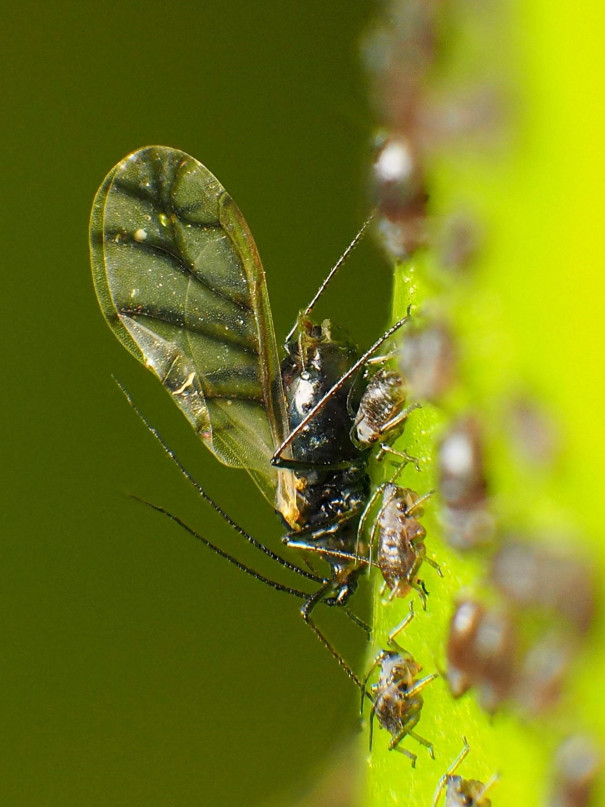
(399, 537)
(576, 767)
(481, 652)
(396, 699)
(540, 574)
(460, 792)
(382, 413)
(427, 359)
(463, 486)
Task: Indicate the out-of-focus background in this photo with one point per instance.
(136, 667)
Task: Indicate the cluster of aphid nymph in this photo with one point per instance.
(515, 642)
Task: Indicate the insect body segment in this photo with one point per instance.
(396, 699)
(332, 483)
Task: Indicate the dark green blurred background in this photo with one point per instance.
(136, 668)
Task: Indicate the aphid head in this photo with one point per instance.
(306, 340)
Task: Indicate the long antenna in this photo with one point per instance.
(275, 459)
(305, 612)
(333, 271)
(303, 595)
(233, 524)
(238, 564)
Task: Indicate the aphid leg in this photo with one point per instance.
(420, 685)
(332, 553)
(407, 753)
(419, 502)
(305, 612)
(305, 314)
(403, 454)
(372, 713)
(420, 588)
(394, 745)
(329, 527)
(310, 545)
(383, 358)
(200, 490)
(434, 564)
(423, 742)
(326, 552)
(363, 518)
(399, 418)
(377, 661)
(451, 770)
(393, 593)
(391, 641)
(322, 550)
(408, 726)
(487, 786)
(291, 541)
(411, 578)
(371, 544)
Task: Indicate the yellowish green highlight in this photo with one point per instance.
(530, 316)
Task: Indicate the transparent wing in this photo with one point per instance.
(180, 282)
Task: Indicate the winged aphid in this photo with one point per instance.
(180, 282)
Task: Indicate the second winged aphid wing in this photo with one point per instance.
(181, 285)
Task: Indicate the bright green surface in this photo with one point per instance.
(529, 318)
